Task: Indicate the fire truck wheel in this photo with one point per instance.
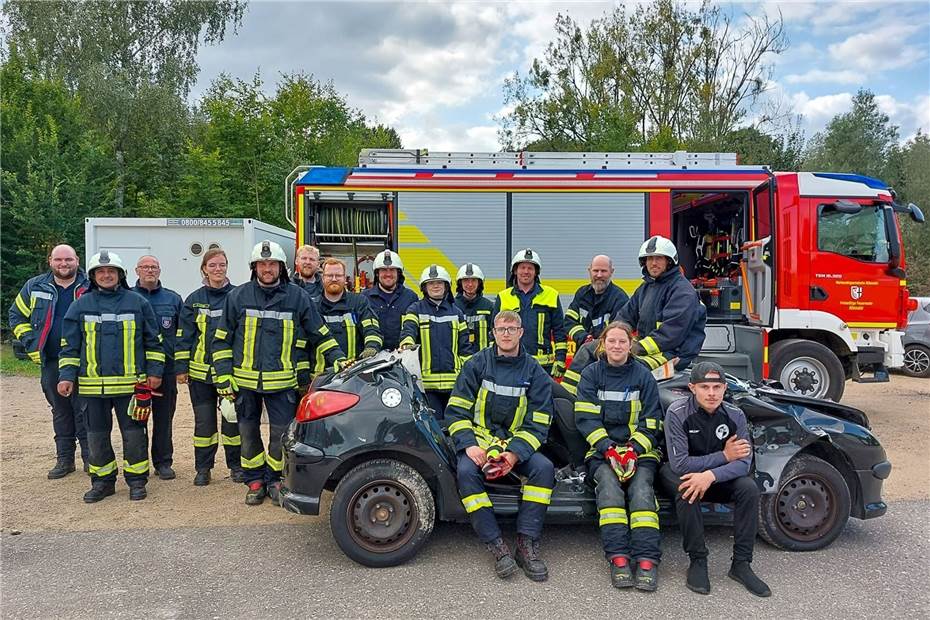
(808, 368)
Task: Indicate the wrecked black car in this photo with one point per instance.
(367, 434)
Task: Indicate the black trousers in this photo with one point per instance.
(67, 413)
(162, 420)
(100, 412)
(206, 439)
(742, 492)
(437, 401)
(258, 464)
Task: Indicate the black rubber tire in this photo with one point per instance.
(783, 352)
(402, 491)
(814, 481)
(923, 353)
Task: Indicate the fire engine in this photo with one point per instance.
(802, 273)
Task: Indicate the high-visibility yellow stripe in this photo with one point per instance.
(206, 442)
(90, 348)
(582, 406)
(350, 336)
(540, 495)
(649, 344)
(129, 359)
(644, 518)
(273, 463)
(635, 408)
(253, 463)
(136, 468)
(528, 438)
(231, 440)
(596, 435)
(102, 470)
(541, 339)
(519, 415)
(200, 349)
(874, 325)
(287, 343)
(461, 425)
(248, 341)
(21, 329)
(541, 418)
(612, 516)
(476, 502)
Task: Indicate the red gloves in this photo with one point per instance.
(622, 461)
(496, 467)
(141, 405)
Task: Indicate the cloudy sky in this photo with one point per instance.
(434, 71)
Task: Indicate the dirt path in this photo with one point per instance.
(899, 411)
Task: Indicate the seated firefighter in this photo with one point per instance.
(499, 415)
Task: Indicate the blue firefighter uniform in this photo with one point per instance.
(619, 405)
(167, 306)
(543, 322)
(479, 313)
(200, 316)
(36, 317)
(502, 404)
(590, 312)
(110, 341)
(313, 287)
(668, 317)
(390, 309)
(260, 347)
(352, 323)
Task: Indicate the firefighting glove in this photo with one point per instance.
(227, 389)
(627, 463)
(496, 467)
(227, 410)
(141, 404)
(341, 364)
(558, 369)
(613, 459)
(637, 349)
(368, 352)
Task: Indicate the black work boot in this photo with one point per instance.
(647, 576)
(620, 574)
(202, 478)
(529, 560)
(741, 572)
(236, 474)
(504, 564)
(99, 490)
(166, 472)
(274, 492)
(256, 493)
(698, 581)
(137, 492)
(63, 467)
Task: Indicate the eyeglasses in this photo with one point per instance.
(509, 331)
(334, 276)
(149, 267)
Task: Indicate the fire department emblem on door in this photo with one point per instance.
(855, 292)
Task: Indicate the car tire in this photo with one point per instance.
(798, 363)
(810, 508)
(382, 513)
(916, 361)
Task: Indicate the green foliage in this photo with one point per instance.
(915, 187)
(10, 365)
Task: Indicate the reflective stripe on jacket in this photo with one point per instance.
(479, 313)
(442, 333)
(543, 322)
(589, 313)
(33, 311)
(352, 323)
(200, 317)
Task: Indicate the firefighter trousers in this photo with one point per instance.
(67, 414)
(162, 421)
(437, 401)
(536, 494)
(99, 412)
(628, 512)
(257, 463)
(204, 400)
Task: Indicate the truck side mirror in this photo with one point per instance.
(844, 206)
(916, 214)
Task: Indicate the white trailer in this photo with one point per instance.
(179, 244)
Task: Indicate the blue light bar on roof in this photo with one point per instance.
(854, 178)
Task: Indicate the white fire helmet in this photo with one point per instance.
(469, 270)
(267, 250)
(105, 258)
(658, 245)
(526, 255)
(433, 273)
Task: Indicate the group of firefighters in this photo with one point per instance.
(108, 350)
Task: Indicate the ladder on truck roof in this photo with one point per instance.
(415, 158)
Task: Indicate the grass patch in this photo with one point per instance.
(9, 365)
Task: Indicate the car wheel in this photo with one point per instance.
(916, 361)
(382, 513)
(810, 508)
(808, 368)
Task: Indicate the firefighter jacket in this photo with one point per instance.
(390, 309)
(314, 287)
(352, 323)
(109, 342)
(33, 310)
(668, 317)
(167, 306)
(543, 322)
(619, 405)
(501, 404)
(584, 356)
(479, 313)
(442, 333)
(262, 339)
(589, 313)
(200, 317)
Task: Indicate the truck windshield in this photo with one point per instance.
(858, 235)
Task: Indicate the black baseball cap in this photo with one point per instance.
(701, 370)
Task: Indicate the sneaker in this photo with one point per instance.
(741, 572)
(620, 574)
(166, 473)
(98, 491)
(63, 467)
(236, 474)
(274, 492)
(256, 493)
(647, 576)
(137, 492)
(698, 581)
(504, 564)
(528, 558)
(202, 478)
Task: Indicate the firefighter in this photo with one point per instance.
(617, 411)
(499, 415)
(540, 312)
(200, 317)
(36, 317)
(595, 303)
(665, 311)
(389, 298)
(307, 273)
(167, 306)
(709, 459)
(440, 328)
(478, 309)
(260, 357)
(111, 347)
(348, 316)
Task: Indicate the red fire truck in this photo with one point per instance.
(802, 274)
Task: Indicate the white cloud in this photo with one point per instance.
(882, 49)
(908, 116)
(819, 76)
(449, 138)
(817, 111)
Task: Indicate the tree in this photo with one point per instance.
(782, 151)
(915, 187)
(132, 63)
(657, 78)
